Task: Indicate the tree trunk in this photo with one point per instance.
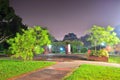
(95, 47)
(45, 50)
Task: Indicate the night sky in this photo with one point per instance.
(65, 16)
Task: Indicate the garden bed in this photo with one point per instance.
(96, 58)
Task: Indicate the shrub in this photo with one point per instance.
(84, 50)
(103, 52)
(92, 53)
(74, 49)
(99, 53)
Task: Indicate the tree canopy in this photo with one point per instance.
(31, 42)
(100, 34)
(10, 23)
(70, 36)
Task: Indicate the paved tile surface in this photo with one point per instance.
(45, 74)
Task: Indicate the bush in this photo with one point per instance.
(93, 53)
(103, 52)
(99, 53)
(74, 49)
(1, 47)
(84, 50)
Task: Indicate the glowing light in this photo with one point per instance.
(50, 46)
(61, 49)
(103, 44)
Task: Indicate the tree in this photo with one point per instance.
(117, 30)
(52, 38)
(85, 41)
(56, 45)
(76, 45)
(31, 41)
(100, 34)
(70, 36)
(10, 23)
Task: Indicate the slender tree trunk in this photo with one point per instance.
(45, 50)
(95, 46)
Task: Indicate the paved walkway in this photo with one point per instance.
(59, 70)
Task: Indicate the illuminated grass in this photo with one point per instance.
(94, 72)
(10, 68)
(114, 59)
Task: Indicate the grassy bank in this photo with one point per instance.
(10, 68)
(94, 72)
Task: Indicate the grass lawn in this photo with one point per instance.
(94, 72)
(114, 59)
(10, 68)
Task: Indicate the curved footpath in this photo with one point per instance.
(59, 70)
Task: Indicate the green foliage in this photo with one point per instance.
(100, 34)
(30, 42)
(56, 46)
(114, 59)
(100, 53)
(103, 52)
(1, 47)
(94, 72)
(11, 68)
(60, 43)
(84, 50)
(93, 53)
(74, 49)
(75, 46)
(76, 43)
